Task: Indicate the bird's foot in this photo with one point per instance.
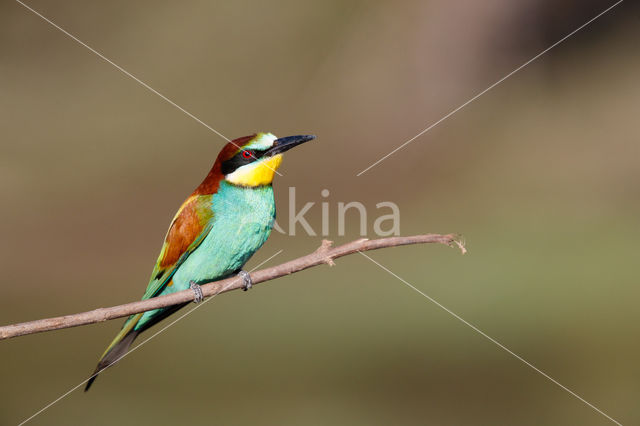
(197, 291)
(246, 279)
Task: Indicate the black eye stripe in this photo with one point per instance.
(239, 160)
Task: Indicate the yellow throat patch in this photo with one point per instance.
(256, 174)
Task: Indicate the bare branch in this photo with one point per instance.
(325, 254)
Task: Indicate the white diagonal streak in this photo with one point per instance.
(61, 397)
(491, 87)
(485, 335)
(125, 72)
(128, 74)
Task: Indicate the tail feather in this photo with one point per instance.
(118, 347)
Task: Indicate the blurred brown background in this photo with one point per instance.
(540, 175)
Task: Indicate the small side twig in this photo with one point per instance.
(325, 254)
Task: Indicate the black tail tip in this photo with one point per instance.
(90, 382)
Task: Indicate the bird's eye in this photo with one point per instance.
(246, 154)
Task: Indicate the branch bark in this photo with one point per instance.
(325, 254)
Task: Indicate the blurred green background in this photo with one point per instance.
(541, 175)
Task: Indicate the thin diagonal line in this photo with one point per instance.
(500, 345)
(491, 87)
(128, 74)
(138, 346)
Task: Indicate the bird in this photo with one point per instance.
(216, 230)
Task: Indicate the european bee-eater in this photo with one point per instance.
(216, 230)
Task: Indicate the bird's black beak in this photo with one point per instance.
(285, 144)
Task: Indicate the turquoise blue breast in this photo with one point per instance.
(242, 222)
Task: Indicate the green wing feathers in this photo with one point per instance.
(188, 229)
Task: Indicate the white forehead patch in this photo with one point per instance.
(262, 141)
